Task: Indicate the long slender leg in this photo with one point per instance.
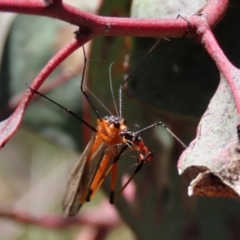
(65, 109)
(163, 125)
(138, 168)
(100, 179)
(132, 73)
(82, 88)
(113, 181)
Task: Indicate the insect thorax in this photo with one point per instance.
(115, 122)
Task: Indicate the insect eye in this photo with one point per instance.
(117, 125)
(138, 138)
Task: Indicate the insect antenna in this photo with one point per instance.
(100, 102)
(111, 87)
(65, 109)
(163, 125)
(82, 87)
(134, 126)
(131, 73)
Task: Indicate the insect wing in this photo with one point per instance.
(71, 200)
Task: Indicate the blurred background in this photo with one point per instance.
(174, 85)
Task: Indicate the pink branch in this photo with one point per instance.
(204, 34)
(110, 220)
(111, 26)
(214, 11)
(223, 64)
(10, 125)
(61, 79)
(56, 222)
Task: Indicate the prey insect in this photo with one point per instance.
(110, 139)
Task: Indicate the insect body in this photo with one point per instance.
(110, 139)
(92, 166)
(99, 158)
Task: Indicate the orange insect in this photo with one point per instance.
(110, 139)
(95, 162)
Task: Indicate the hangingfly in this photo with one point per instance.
(110, 139)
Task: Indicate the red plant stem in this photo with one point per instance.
(112, 26)
(73, 45)
(214, 11)
(209, 42)
(52, 64)
(57, 222)
(11, 124)
(223, 64)
(97, 25)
